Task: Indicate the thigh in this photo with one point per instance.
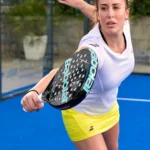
(111, 137)
(93, 143)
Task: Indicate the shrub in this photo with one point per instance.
(140, 8)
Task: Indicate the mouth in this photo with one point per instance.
(111, 23)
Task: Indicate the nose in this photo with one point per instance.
(110, 13)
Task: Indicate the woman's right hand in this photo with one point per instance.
(73, 3)
(31, 102)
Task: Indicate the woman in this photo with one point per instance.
(94, 123)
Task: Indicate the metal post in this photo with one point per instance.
(86, 20)
(0, 55)
(48, 59)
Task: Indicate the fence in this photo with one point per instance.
(20, 70)
(21, 65)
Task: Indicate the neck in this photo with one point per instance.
(115, 42)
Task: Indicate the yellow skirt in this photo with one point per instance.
(81, 126)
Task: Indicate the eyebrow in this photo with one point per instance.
(113, 4)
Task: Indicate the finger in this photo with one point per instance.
(38, 102)
(63, 2)
(31, 104)
(39, 105)
(28, 103)
(25, 105)
(26, 109)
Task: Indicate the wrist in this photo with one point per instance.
(33, 90)
(82, 5)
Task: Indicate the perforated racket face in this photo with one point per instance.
(73, 81)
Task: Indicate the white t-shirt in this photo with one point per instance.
(112, 70)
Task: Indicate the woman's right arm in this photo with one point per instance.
(30, 102)
(43, 83)
(87, 9)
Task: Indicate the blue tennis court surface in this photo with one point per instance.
(44, 130)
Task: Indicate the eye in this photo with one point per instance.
(103, 8)
(116, 8)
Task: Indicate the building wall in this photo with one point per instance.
(67, 35)
(140, 31)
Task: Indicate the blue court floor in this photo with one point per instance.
(44, 130)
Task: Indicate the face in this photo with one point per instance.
(112, 15)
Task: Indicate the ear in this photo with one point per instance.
(127, 13)
(97, 14)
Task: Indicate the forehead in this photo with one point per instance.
(111, 1)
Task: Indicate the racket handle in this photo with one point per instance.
(40, 98)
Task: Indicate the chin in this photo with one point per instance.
(113, 31)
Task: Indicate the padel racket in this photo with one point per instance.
(73, 81)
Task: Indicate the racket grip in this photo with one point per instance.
(40, 98)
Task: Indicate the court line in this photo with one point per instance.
(134, 99)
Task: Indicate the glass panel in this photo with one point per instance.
(24, 43)
(68, 29)
(23, 63)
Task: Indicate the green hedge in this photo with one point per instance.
(60, 10)
(138, 8)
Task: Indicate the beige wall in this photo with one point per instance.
(67, 35)
(140, 31)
